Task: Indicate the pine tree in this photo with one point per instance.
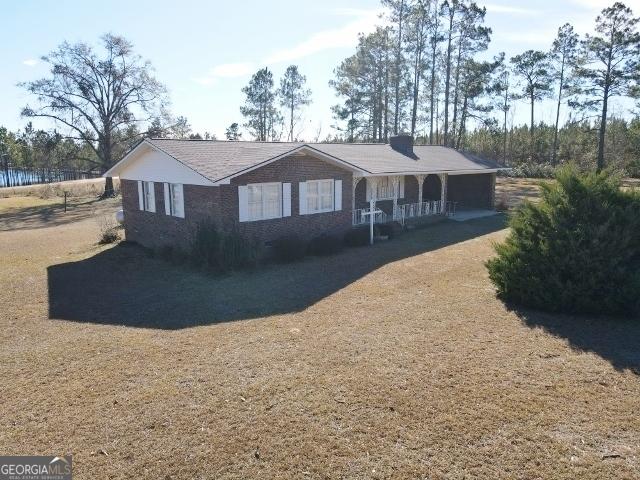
(609, 63)
(533, 68)
(563, 56)
(259, 108)
(293, 95)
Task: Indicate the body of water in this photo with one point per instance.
(15, 177)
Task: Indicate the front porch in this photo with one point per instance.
(399, 198)
(404, 212)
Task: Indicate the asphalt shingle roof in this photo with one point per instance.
(217, 160)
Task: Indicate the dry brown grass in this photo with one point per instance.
(511, 192)
(74, 188)
(395, 361)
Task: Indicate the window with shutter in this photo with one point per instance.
(175, 198)
(264, 201)
(148, 197)
(320, 196)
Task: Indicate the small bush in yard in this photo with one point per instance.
(385, 230)
(222, 251)
(357, 237)
(577, 251)
(289, 248)
(325, 244)
(109, 236)
(108, 230)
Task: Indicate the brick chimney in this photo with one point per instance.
(402, 144)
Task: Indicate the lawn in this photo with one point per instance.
(395, 361)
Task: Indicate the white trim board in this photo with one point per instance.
(166, 162)
(146, 162)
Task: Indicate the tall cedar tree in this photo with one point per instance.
(563, 58)
(99, 96)
(610, 63)
(259, 107)
(293, 96)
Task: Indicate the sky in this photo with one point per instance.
(205, 51)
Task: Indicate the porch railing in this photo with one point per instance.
(361, 217)
(405, 212)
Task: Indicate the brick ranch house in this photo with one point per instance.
(270, 189)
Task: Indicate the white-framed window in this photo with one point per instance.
(174, 199)
(146, 196)
(264, 201)
(384, 188)
(320, 196)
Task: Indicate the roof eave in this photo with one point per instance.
(302, 148)
(124, 161)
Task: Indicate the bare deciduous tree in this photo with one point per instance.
(98, 96)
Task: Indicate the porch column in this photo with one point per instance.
(443, 192)
(395, 185)
(373, 184)
(420, 179)
(353, 192)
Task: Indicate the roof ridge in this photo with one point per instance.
(279, 142)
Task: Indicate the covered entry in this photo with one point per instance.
(471, 191)
(432, 188)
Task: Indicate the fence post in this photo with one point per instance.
(65, 201)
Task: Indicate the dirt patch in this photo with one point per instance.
(395, 361)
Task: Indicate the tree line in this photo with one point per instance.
(425, 71)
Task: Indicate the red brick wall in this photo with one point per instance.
(220, 205)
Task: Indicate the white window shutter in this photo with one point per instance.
(179, 206)
(167, 200)
(286, 199)
(337, 195)
(152, 200)
(401, 195)
(302, 194)
(243, 203)
(140, 195)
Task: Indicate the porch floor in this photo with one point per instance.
(464, 215)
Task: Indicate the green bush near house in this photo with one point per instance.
(357, 237)
(325, 244)
(384, 229)
(289, 248)
(220, 251)
(576, 251)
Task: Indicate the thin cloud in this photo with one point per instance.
(231, 70)
(494, 8)
(597, 5)
(344, 37)
(225, 70)
(30, 62)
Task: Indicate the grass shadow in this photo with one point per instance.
(49, 215)
(616, 340)
(124, 286)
